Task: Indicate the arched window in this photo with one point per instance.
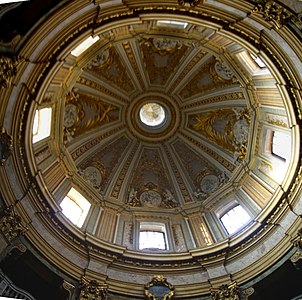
(152, 236)
(42, 124)
(75, 207)
(234, 219)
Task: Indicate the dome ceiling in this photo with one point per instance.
(173, 116)
(204, 135)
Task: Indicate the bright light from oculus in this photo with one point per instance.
(152, 114)
(84, 45)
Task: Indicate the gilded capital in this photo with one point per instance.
(11, 224)
(92, 290)
(8, 69)
(226, 292)
(273, 12)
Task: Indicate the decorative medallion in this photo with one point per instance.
(159, 289)
(150, 195)
(93, 176)
(209, 183)
(100, 60)
(150, 198)
(223, 71)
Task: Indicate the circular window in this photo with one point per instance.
(152, 114)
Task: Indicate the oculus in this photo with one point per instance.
(152, 114)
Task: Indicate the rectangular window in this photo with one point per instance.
(152, 236)
(84, 46)
(234, 219)
(173, 24)
(42, 124)
(75, 207)
(281, 145)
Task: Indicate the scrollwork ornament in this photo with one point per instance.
(92, 290)
(297, 241)
(6, 146)
(226, 292)
(8, 69)
(273, 12)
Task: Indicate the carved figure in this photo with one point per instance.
(165, 44)
(132, 194)
(241, 131)
(199, 195)
(169, 197)
(133, 200)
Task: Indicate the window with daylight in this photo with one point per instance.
(281, 145)
(152, 236)
(258, 61)
(42, 124)
(234, 219)
(84, 45)
(170, 23)
(75, 207)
